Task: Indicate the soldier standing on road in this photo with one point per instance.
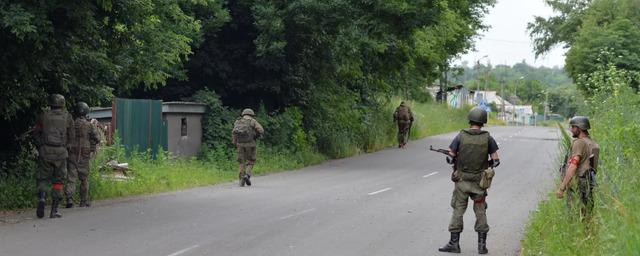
(54, 133)
(471, 149)
(80, 153)
(583, 162)
(404, 118)
(245, 131)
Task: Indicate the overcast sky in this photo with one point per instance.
(507, 41)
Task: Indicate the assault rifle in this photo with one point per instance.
(450, 160)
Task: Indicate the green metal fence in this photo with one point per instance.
(140, 125)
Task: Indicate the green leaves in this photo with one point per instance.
(17, 20)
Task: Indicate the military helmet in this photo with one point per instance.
(56, 100)
(478, 115)
(581, 122)
(248, 111)
(82, 109)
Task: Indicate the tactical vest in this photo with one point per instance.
(82, 142)
(54, 128)
(473, 153)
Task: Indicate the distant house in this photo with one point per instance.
(148, 124)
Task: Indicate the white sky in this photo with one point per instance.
(507, 41)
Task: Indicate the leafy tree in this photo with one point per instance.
(90, 50)
(598, 32)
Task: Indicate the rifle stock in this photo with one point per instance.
(450, 160)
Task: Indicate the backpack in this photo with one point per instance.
(54, 128)
(403, 113)
(243, 131)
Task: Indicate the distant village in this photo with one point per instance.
(458, 96)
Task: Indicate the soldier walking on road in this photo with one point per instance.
(404, 118)
(471, 150)
(80, 153)
(54, 133)
(245, 131)
(583, 162)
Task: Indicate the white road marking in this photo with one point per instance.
(379, 191)
(430, 174)
(296, 214)
(183, 250)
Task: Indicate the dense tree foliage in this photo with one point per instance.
(598, 32)
(335, 61)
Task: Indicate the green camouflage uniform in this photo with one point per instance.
(404, 122)
(585, 149)
(471, 161)
(54, 133)
(247, 149)
(79, 158)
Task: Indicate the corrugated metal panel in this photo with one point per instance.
(139, 124)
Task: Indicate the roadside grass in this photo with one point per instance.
(554, 223)
(218, 165)
(615, 223)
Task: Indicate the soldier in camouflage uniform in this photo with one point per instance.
(245, 131)
(471, 149)
(54, 133)
(404, 119)
(582, 162)
(80, 155)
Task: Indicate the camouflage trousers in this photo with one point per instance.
(583, 191)
(75, 172)
(52, 174)
(403, 132)
(246, 158)
(463, 191)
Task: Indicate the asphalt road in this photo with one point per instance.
(392, 202)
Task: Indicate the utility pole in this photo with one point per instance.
(546, 104)
(478, 84)
(504, 115)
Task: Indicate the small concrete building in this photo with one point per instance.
(184, 126)
(183, 121)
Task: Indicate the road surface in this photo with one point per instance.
(392, 202)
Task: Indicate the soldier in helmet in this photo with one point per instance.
(80, 155)
(583, 162)
(471, 149)
(245, 131)
(403, 117)
(54, 133)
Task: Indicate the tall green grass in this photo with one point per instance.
(614, 228)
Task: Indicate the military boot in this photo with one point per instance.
(453, 245)
(42, 201)
(69, 203)
(247, 180)
(54, 208)
(241, 178)
(85, 203)
(482, 243)
(247, 174)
